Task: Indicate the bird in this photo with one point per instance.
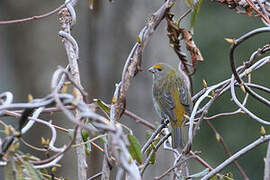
(172, 99)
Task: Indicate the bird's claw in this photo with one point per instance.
(165, 121)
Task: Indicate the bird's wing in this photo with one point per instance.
(167, 104)
(185, 99)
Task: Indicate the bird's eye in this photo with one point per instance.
(159, 69)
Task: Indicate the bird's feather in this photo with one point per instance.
(185, 99)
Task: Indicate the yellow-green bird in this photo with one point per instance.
(172, 99)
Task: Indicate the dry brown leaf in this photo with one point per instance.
(191, 47)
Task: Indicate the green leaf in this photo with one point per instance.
(8, 171)
(70, 133)
(153, 158)
(148, 151)
(195, 13)
(31, 172)
(148, 133)
(103, 139)
(22, 170)
(88, 147)
(85, 135)
(214, 178)
(19, 171)
(134, 148)
(228, 176)
(103, 105)
(151, 148)
(44, 171)
(189, 3)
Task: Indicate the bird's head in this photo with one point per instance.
(160, 70)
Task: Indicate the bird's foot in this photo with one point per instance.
(165, 121)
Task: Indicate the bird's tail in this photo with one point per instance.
(177, 137)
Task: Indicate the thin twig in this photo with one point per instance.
(173, 167)
(95, 176)
(147, 161)
(152, 137)
(34, 17)
(267, 164)
(251, 4)
(237, 155)
(33, 147)
(139, 119)
(227, 151)
(41, 162)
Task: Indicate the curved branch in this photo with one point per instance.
(232, 61)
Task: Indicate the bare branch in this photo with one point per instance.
(267, 164)
(237, 155)
(232, 61)
(34, 17)
(154, 134)
(227, 151)
(146, 163)
(67, 20)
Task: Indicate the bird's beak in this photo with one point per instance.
(151, 69)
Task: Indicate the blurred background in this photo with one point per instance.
(30, 53)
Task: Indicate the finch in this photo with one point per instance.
(172, 99)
